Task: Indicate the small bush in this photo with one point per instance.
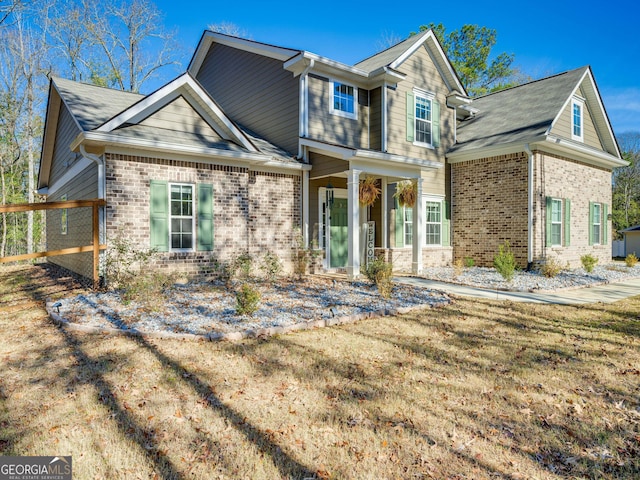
(381, 273)
(124, 262)
(588, 262)
(505, 262)
(271, 266)
(149, 289)
(243, 265)
(247, 299)
(458, 267)
(469, 262)
(551, 268)
(631, 260)
(302, 257)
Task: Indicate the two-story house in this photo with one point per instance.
(255, 140)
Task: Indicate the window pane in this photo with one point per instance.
(423, 120)
(432, 222)
(556, 234)
(577, 120)
(343, 98)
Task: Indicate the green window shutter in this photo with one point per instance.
(435, 123)
(567, 222)
(399, 225)
(205, 217)
(410, 117)
(590, 223)
(159, 216)
(446, 224)
(548, 221)
(605, 224)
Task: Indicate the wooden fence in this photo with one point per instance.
(95, 246)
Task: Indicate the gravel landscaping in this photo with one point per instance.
(533, 281)
(209, 309)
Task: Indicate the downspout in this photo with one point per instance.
(527, 149)
(102, 187)
(304, 105)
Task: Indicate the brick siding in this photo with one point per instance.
(490, 205)
(253, 211)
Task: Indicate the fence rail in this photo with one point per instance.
(95, 246)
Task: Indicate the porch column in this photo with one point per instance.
(353, 222)
(305, 208)
(385, 220)
(418, 226)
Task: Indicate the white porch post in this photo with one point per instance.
(416, 265)
(353, 222)
(385, 220)
(305, 208)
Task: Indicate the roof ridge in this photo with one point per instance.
(533, 81)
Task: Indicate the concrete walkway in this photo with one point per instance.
(608, 293)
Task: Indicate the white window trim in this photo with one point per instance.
(437, 199)
(599, 224)
(561, 223)
(404, 227)
(579, 102)
(341, 113)
(417, 92)
(193, 218)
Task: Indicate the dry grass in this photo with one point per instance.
(475, 390)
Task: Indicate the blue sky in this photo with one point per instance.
(547, 37)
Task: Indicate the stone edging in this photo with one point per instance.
(240, 335)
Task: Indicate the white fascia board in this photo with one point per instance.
(490, 151)
(183, 85)
(430, 38)
(109, 139)
(582, 152)
(209, 38)
(396, 159)
(384, 169)
(566, 102)
(343, 153)
(77, 168)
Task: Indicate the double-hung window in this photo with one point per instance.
(181, 216)
(182, 219)
(556, 222)
(577, 114)
(596, 223)
(344, 99)
(433, 222)
(423, 119)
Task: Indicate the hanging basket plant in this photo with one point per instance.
(406, 193)
(369, 191)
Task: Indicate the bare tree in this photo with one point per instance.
(7, 7)
(229, 28)
(388, 39)
(132, 41)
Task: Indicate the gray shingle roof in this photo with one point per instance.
(388, 56)
(517, 114)
(92, 105)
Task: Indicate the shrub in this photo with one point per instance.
(469, 262)
(124, 261)
(149, 289)
(588, 262)
(243, 265)
(551, 268)
(247, 299)
(271, 266)
(381, 273)
(302, 256)
(505, 262)
(631, 260)
(458, 267)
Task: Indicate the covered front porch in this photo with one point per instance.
(349, 233)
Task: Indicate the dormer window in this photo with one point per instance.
(344, 99)
(577, 122)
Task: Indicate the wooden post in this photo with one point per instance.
(96, 245)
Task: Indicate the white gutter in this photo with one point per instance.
(527, 149)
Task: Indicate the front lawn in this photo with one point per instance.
(477, 389)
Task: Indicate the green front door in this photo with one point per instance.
(338, 234)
